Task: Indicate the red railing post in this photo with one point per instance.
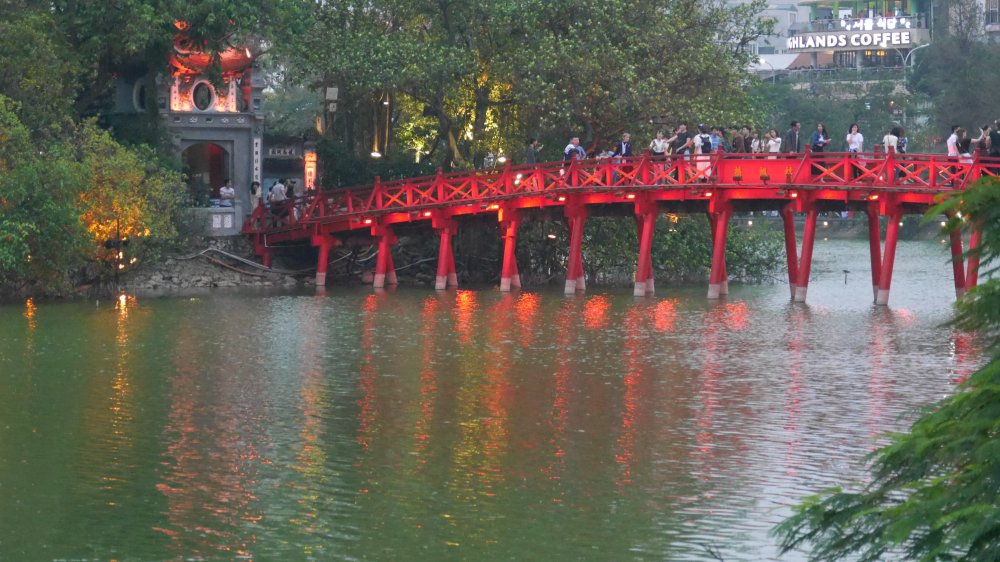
(890, 166)
(439, 183)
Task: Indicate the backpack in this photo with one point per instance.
(706, 143)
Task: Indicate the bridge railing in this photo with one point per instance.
(874, 171)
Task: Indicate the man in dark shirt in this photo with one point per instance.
(791, 143)
(624, 147)
(679, 142)
(531, 151)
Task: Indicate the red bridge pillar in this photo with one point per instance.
(966, 273)
(718, 283)
(446, 275)
(805, 260)
(957, 263)
(385, 270)
(888, 255)
(874, 245)
(325, 244)
(972, 273)
(645, 216)
(791, 246)
(576, 214)
(509, 277)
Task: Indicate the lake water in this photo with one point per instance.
(462, 425)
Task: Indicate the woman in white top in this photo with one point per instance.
(891, 140)
(773, 142)
(855, 140)
(658, 146)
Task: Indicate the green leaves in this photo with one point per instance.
(493, 73)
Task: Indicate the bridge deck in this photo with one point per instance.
(879, 184)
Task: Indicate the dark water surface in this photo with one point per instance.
(464, 425)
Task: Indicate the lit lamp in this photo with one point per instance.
(501, 159)
(773, 73)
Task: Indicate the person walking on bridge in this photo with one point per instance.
(531, 151)
(791, 143)
(573, 150)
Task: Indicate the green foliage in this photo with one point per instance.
(38, 73)
(835, 103)
(39, 231)
(932, 494)
(59, 204)
(487, 74)
(340, 166)
(950, 71)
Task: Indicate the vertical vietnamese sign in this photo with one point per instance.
(309, 172)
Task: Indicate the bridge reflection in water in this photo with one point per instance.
(457, 425)
(718, 185)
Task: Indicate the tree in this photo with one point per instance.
(933, 491)
(490, 73)
(951, 73)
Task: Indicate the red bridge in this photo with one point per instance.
(878, 184)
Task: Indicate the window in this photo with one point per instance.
(992, 15)
(203, 96)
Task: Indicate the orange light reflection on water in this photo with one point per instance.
(665, 315)
(465, 315)
(595, 312)
(428, 380)
(526, 314)
(634, 362)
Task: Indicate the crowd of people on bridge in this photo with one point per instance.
(706, 139)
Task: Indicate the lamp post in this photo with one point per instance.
(907, 58)
(762, 60)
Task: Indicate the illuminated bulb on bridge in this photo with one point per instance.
(562, 198)
(749, 223)
(427, 213)
(630, 196)
(376, 154)
(502, 159)
(825, 223)
(551, 237)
